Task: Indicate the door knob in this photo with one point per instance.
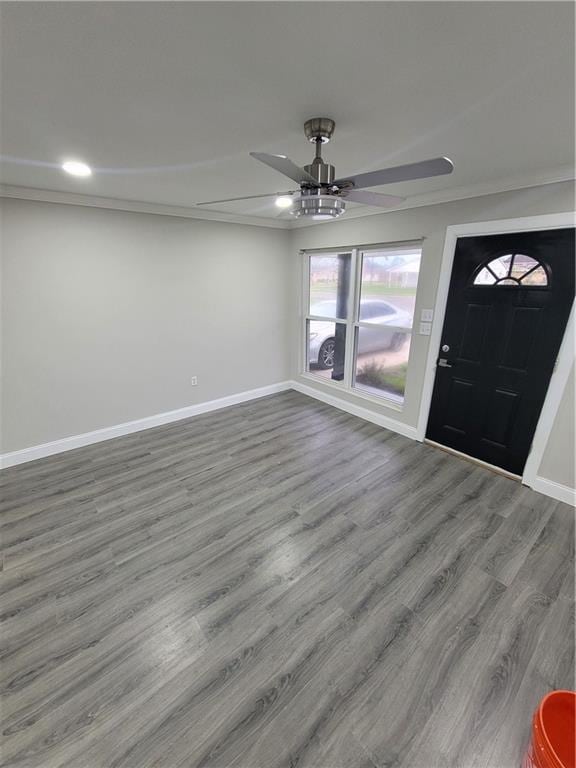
(443, 363)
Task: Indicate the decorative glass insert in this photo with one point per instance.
(514, 269)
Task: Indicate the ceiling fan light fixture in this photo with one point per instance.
(323, 194)
(318, 207)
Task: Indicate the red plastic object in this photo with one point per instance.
(553, 743)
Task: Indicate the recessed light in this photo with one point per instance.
(76, 168)
(283, 202)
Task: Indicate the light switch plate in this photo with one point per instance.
(426, 315)
(425, 329)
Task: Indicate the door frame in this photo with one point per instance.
(566, 354)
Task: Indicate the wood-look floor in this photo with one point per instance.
(277, 584)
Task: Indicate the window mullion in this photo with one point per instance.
(349, 355)
(304, 310)
(357, 298)
(323, 319)
(401, 328)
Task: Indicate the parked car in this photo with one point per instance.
(372, 339)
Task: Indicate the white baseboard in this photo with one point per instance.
(357, 410)
(540, 484)
(555, 490)
(108, 433)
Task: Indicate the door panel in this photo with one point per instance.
(500, 417)
(508, 304)
(519, 337)
(474, 333)
(461, 399)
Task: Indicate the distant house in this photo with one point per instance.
(325, 270)
(400, 273)
(405, 275)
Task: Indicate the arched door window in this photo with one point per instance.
(514, 269)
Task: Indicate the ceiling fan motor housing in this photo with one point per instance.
(323, 173)
(319, 129)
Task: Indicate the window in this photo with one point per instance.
(328, 304)
(359, 319)
(515, 269)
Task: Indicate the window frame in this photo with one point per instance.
(352, 322)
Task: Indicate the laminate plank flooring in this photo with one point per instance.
(277, 584)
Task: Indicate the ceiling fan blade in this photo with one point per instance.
(284, 165)
(247, 197)
(438, 166)
(372, 198)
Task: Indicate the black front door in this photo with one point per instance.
(508, 304)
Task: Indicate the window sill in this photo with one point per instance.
(383, 402)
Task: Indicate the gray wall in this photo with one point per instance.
(558, 462)
(429, 223)
(107, 315)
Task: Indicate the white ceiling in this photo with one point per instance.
(166, 100)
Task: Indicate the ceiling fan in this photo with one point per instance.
(321, 195)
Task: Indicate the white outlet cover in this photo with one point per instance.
(426, 315)
(194, 381)
(425, 329)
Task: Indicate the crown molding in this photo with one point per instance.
(135, 206)
(436, 197)
(452, 194)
